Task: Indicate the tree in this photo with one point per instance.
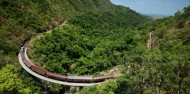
(10, 82)
(109, 87)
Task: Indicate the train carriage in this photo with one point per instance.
(80, 79)
(39, 70)
(27, 63)
(103, 77)
(56, 76)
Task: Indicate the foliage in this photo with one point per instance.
(109, 87)
(10, 82)
(98, 36)
(181, 17)
(163, 69)
(90, 43)
(110, 20)
(22, 19)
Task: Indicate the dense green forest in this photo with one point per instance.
(22, 19)
(97, 36)
(88, 43)
(163, 69)
(91, 43)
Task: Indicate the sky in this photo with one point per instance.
(154, 7)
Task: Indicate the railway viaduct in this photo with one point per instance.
(49, 79)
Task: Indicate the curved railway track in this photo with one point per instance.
(49, 79)
(57, 78)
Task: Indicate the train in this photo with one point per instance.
(66, 78)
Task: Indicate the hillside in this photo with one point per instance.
(90, 47)
(165, 69)
(20, 20)
(89, 43)
(97, 37)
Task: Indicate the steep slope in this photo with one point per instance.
(21, 19)
(165, 68)
(88, 43)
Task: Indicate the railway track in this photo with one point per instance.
(49, 79)
(58, 78)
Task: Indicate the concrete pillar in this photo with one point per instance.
(79, 88)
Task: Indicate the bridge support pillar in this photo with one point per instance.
(79, 88)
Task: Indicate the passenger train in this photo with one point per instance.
(73, 79)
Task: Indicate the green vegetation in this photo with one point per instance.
(21, 19)
(97, 37)
(109, 88)
(165, 68)
(10, 82)
(90, 43)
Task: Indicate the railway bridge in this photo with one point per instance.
(71, 80)
(29, 70)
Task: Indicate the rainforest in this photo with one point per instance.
(92, 38)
